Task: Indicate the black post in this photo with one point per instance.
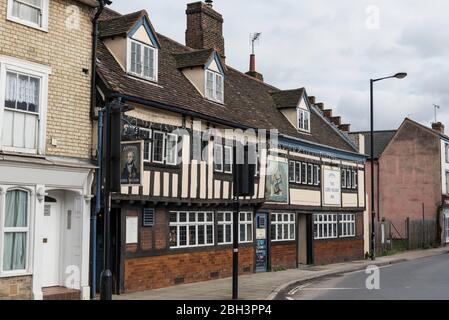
(235, 249)
(106, 274)
(373, 213)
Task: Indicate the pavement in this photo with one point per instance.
(420, 279)
(267, 286)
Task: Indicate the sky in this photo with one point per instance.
(332, 48)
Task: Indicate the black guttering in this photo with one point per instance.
(93, 86)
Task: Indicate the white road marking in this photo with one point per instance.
(296, 289)
(290, 298)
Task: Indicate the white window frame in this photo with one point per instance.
(195, 223)
(292, 173)
(245, 222)
(317, 175)
(328, 222)
(224, 159)
(142, 56)
(34, 70)
(214, 86)
(166, 149)
(44, 16)
(222, 224)
(150, 145)
(163, 147)
(28, 230)
(300, 120)
(282, 224)
(343, 178)
(347, 225)
(220, 146)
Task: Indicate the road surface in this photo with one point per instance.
(421, 279)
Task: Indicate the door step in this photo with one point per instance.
(61, 293)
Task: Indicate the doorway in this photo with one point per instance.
(261, 242)
(304, 238)
(51, 240)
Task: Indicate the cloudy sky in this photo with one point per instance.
(333, 48)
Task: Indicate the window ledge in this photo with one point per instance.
(27, 24)
(10, 274)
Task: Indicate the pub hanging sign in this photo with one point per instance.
(131, 163)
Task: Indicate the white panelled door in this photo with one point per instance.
(51, 241)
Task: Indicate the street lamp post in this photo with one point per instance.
(401, 75)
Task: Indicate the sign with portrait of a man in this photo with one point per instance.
(131, 163)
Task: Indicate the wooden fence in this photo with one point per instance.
(421, 234)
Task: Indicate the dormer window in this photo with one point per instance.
(142, 60)
(303, 120)
(214, 86)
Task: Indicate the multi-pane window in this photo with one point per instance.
(348, 179)
(227, 163)
(245, 227)
(30, 12)
(165, 148)
(224, 225)
(191, 229)
(304, 120)
(214, 86)
(15, 230)
(304, 173)
(21, 113)
(146, 144)
(143, 61)
(225, 231)
(171, 150)
(347, 225)
(282, 226)
(218, 157)
(325, 226)
(158, 146)
(332, 225)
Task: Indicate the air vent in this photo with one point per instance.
(148, 217)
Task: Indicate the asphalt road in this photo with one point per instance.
(421, 279)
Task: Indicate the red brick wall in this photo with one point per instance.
(283, 256)
(341, 249)
(337, 250)
(410, 175)
(167, 270)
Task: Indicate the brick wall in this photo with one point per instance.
(67, 51)
(15, 288)
(283, 256)
(168, 270)
(341, 249)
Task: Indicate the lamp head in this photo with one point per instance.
(400, 75)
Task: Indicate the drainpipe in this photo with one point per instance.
(93, 285)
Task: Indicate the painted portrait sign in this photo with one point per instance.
(276, 186)
(131, 163)
(332, 186)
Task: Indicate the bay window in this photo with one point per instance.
(15, 231)
(32, 13)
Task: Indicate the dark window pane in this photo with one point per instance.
(210, 234)
(220, 234)
(298, 172)
(173, 236)
(201, 234)
(192, 235)
(182, 235)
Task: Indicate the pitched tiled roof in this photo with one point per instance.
(120, 25)
(381, 140)
(287, 98)
(248, 101)
(193, 59)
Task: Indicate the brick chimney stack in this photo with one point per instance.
(438, 126)
(204, 27)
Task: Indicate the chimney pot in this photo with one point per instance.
(345, 127)
(321, 107)
(312, 100)
(336, 120)
(438, 126)
(327, 113)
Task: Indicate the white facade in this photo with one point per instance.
(55, 234)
